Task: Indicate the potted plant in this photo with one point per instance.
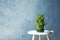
(40, 23)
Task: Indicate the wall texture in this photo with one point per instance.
(18, 16)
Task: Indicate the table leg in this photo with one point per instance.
(33, 37)
(40, 37)
(48, 38)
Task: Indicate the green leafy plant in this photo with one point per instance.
(40, 23)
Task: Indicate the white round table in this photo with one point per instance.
(46, 32)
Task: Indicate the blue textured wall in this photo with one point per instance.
(18, 16)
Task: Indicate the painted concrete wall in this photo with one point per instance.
(18, 16)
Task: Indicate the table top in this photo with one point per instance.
(34, 32)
